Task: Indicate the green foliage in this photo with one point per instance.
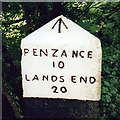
(102, 20)
(99, 18)
(14, 98)
(111, 82)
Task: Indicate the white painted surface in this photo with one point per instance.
(74, 38)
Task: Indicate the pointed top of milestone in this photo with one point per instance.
(61, 16)
(60, 27)
(60, 21)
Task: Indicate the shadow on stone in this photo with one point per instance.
(58, 108)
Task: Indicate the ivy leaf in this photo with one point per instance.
(118, 97)
(108, 98)
(114, 73)
(107, 70)
(105, 90)
(113, 113)
(113, 91)
(110, 25)
(106, 83)
(116, 17)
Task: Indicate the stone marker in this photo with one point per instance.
(61, 60)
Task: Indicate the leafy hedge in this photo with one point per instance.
(99, 18)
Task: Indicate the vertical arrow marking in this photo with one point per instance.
(59, 27)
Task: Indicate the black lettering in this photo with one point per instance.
(89, 54)
(35, 78)
(73, 79)
(61, 64)
(34, 52)
(64, 53)
(80, 53)
(74, 53)
(63, 89)
(55, 89)
(62, 80)
(26, 51)
(26, 78)
(92, 80)
(45, 77)
(53, 64)
(85, 79)
(53, 78)
(45, 53)
(55, 50)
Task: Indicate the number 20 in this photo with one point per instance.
(62, 89)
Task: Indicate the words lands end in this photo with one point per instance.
(62, 62)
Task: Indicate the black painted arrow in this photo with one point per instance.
(59, 27)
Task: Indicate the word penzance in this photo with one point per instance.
(58, 53)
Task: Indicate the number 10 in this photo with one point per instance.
(60, 64)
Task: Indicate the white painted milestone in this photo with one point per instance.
(61, 60)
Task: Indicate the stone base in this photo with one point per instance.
(59, 108)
